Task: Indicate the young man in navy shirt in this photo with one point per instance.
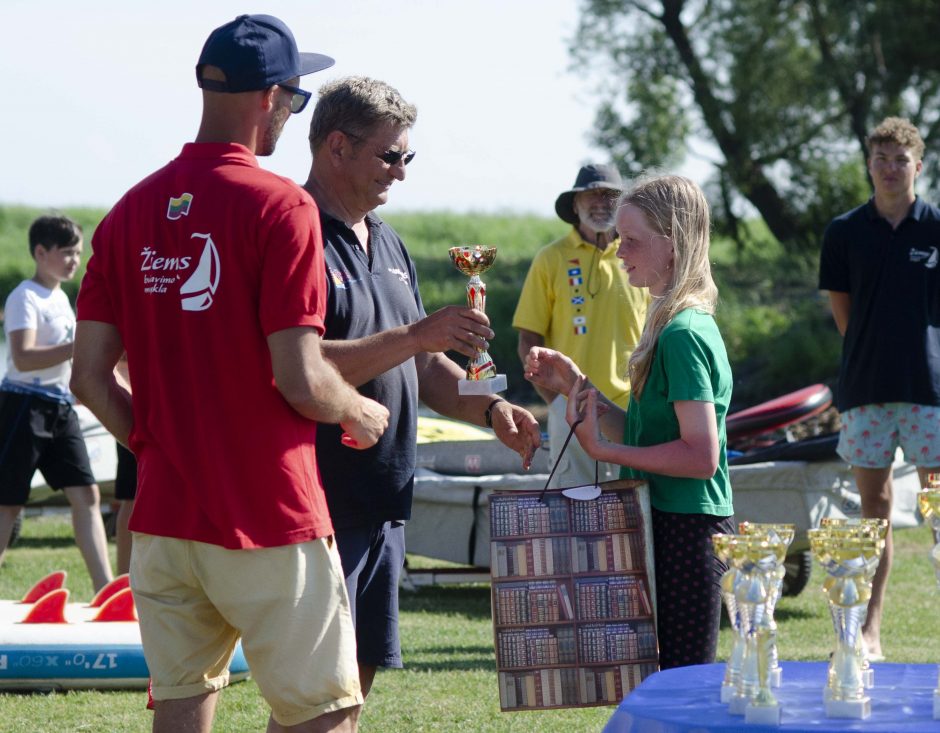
(880, 265)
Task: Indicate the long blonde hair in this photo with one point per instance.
(675, 208)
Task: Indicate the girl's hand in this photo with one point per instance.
(582, 415)
(550, 369)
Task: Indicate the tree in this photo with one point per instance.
(785, 90)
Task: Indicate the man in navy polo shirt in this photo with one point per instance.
(880, 265)
(382, 342)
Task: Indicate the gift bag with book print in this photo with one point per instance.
(572, 597)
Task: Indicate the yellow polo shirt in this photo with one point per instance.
(580, 300)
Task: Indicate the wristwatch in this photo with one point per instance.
(488, 413)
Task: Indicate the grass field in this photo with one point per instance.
(449, 683)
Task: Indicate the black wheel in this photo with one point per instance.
(17, 526)
(799, 567)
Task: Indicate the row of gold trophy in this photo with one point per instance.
(849, 552)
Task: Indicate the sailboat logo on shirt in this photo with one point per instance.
(930, 258)
(202, 284)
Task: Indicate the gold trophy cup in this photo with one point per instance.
(850, 557)
(474, 260)
(785, 533)
(928, 501)
(757, 558)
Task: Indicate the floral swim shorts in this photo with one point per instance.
(872, 433)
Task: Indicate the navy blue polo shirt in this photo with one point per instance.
(366, 294)
(891, 349)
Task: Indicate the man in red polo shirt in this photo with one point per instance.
(210, 274)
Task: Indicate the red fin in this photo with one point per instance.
(118, 584)
(52, 581)
(119, 607)
(50, 609)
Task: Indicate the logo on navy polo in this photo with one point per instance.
(179, 206)
(340, 278)
(401, 274)
(930, 258)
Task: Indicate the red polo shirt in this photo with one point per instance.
(196, 266)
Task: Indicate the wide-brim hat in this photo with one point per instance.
(255, 52)
(589, 177)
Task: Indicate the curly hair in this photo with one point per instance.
(897, 130)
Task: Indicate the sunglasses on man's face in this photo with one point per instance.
(389, 157)
(299, 98)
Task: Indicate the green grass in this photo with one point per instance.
(449, 683)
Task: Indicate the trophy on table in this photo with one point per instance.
(850, 557)
(785, 533)
(729, 584)
(851, 527)
(474, 260)
(757, 557)
(928, 501)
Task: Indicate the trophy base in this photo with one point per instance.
(727, 692)
(482, 386)
(762, 715)
(936, 706)
(738, 705)
(775, 678)
(855, 709)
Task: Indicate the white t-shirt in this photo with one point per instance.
(50, 315)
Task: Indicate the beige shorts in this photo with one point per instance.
(288, 604)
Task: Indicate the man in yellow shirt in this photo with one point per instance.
(577, 299)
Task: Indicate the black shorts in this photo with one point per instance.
(125, 481)
(373, 557)
(39, 433)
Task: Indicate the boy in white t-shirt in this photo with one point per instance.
(38, 427)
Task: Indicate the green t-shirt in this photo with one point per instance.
(690, 364)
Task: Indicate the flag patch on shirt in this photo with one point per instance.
(179, 206)
(574, 281)
(577, 300)
(580, 330)
(574, 271)
(575, 261)
(340, 278)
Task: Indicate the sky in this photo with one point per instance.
(100, 93)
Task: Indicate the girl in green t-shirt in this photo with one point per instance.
(673, 431)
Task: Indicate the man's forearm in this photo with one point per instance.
(362, 360)
(109, 401)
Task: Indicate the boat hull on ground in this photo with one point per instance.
(78, 654)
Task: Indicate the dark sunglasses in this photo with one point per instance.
(389, 157)
(299, 98)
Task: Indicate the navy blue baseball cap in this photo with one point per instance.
(255, 52)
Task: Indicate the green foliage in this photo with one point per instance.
(785, 92)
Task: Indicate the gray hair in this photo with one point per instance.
(356, 105)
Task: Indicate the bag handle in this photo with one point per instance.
(564, 447)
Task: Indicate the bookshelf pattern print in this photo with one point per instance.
(572, 613)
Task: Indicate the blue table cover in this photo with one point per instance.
(686, 700)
